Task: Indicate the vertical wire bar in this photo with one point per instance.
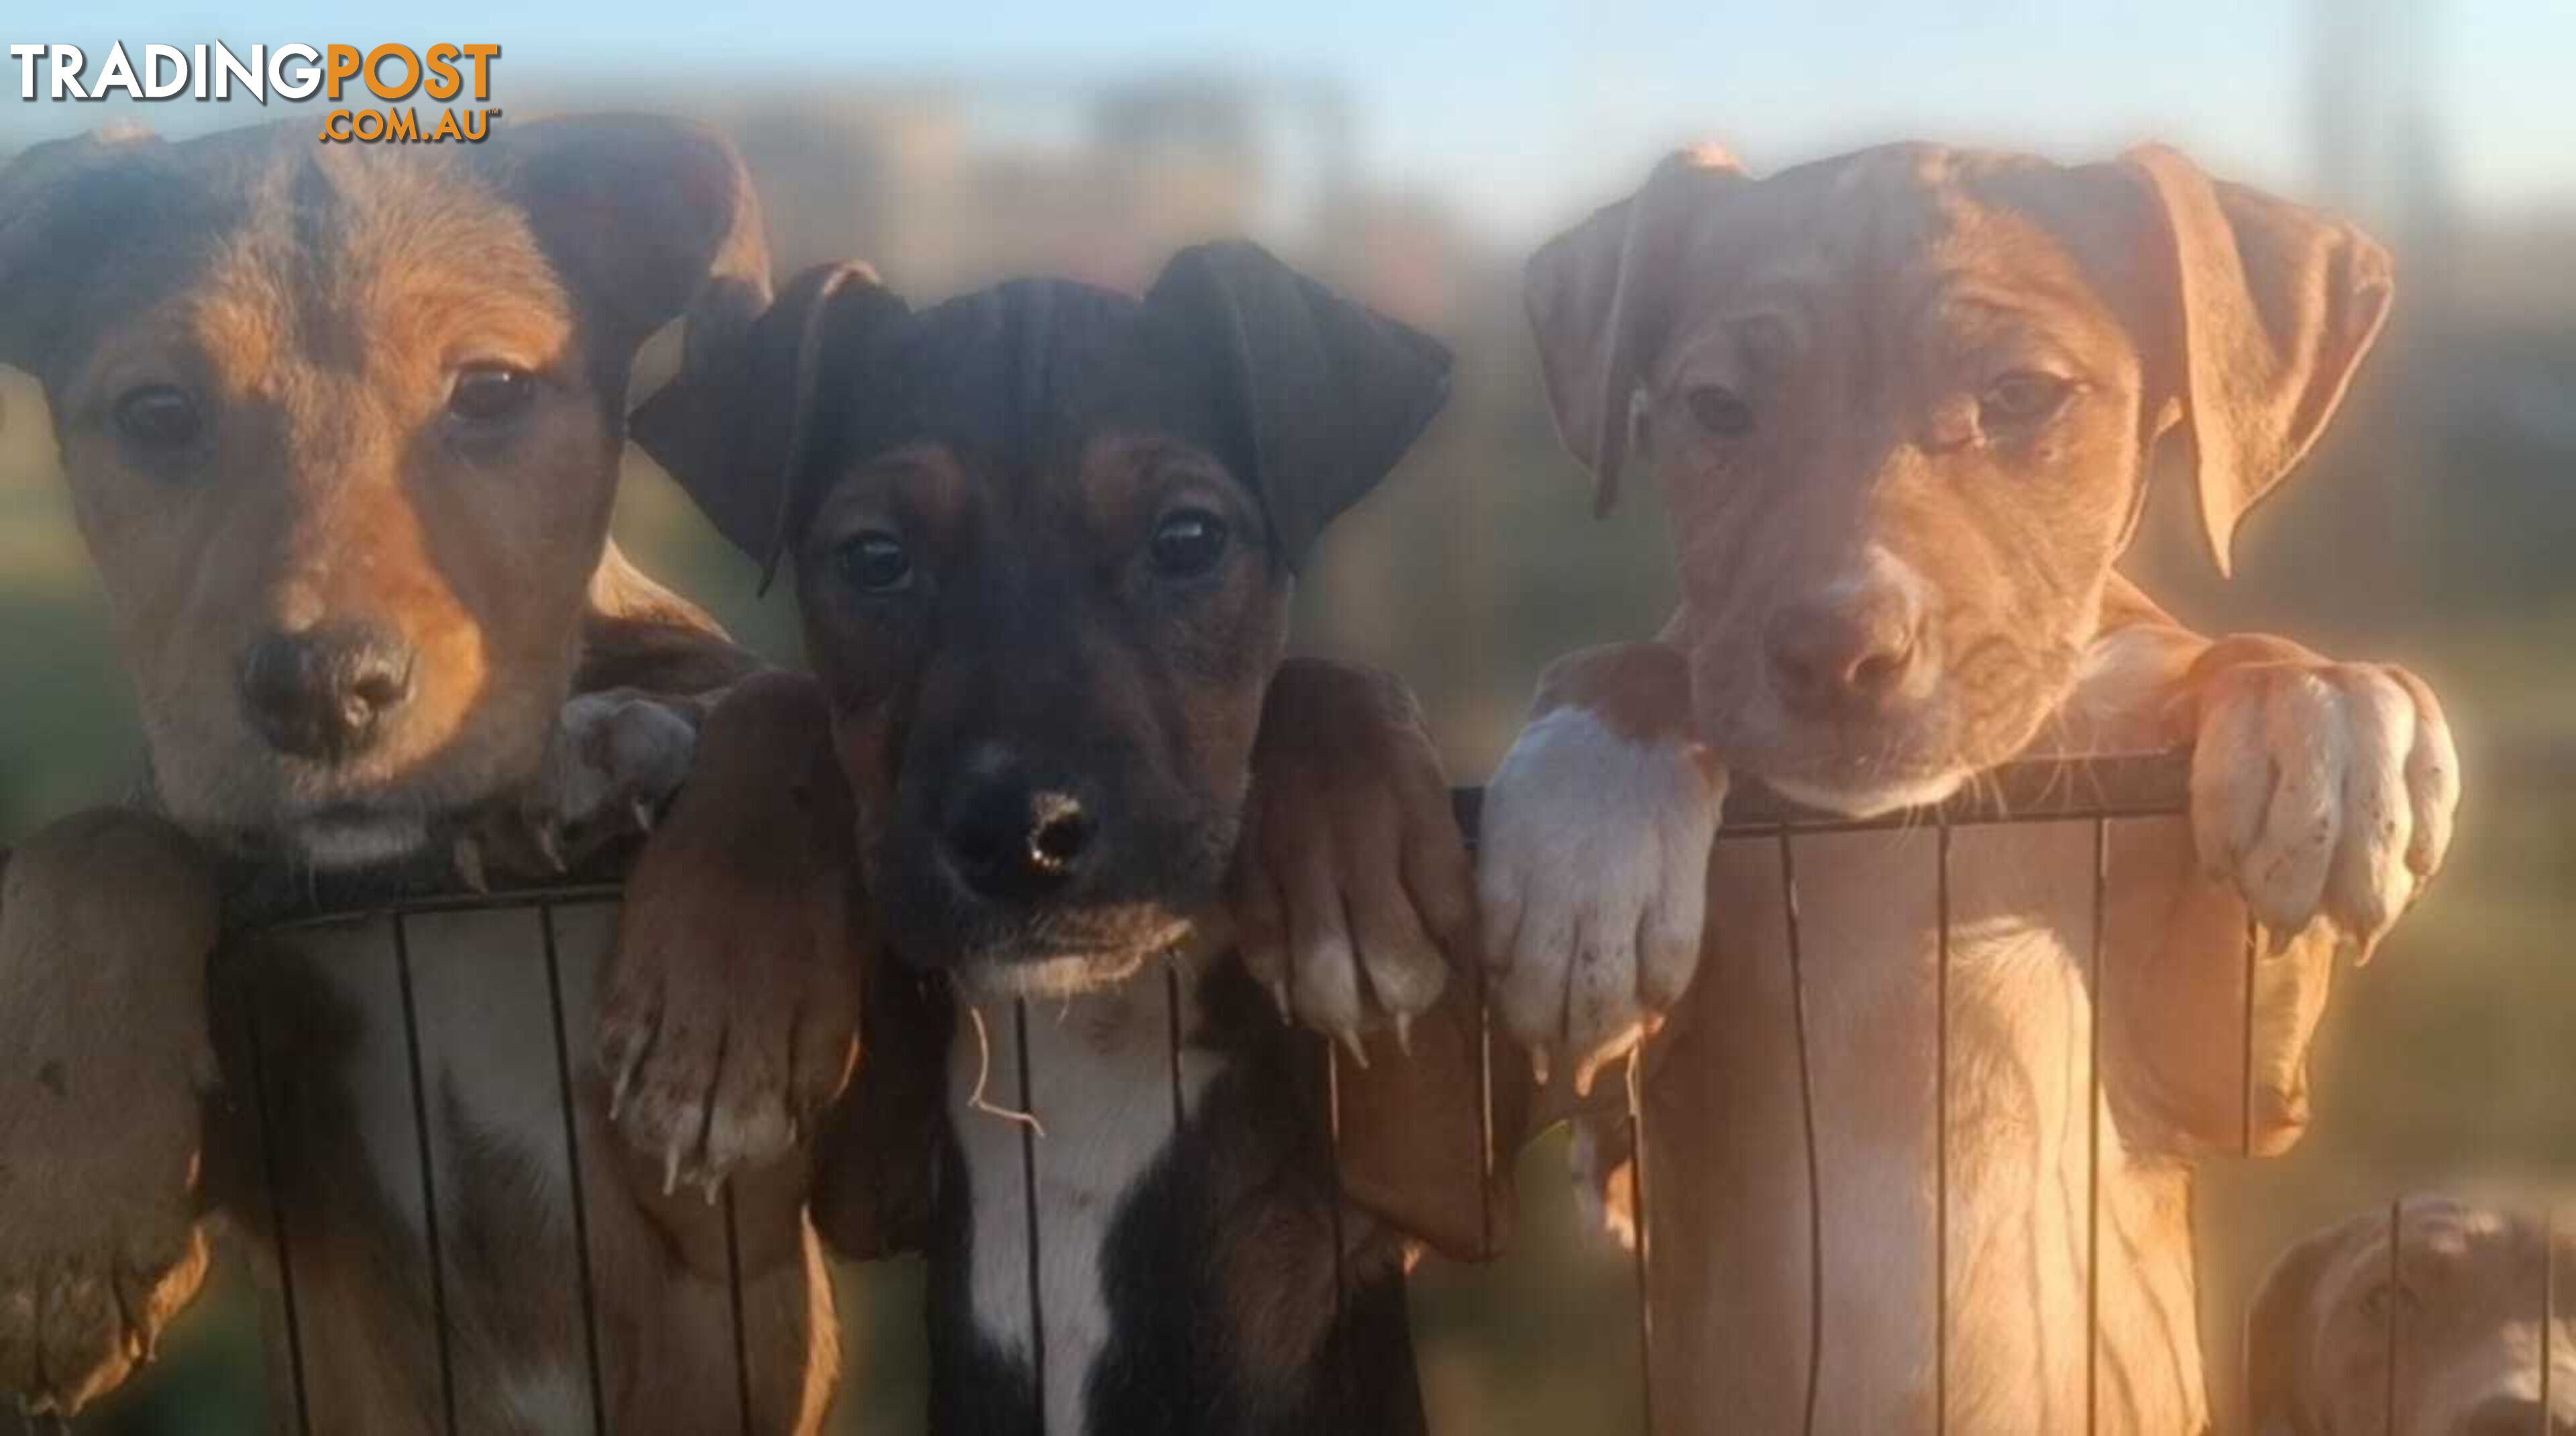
(1029, 1188)
(1941, 1137)
(428, 1174)
(1172, 1021)
(2093, 1133)
(572, 1167)
(733, 1300)
(1181, 1175)
(1485, 1155)
(1340, 1355)
(2253, 947)
(1639, 1213)
(2548, 1314)
(2396, 1301)
(1807, 1120)
(274, 1177)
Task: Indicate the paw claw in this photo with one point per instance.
(1404, 1034)
(642, 812)
(1350, 1038)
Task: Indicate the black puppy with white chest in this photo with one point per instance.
(1044, 538)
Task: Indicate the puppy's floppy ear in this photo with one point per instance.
(2273, 307)
(1600, 299)
(741, 425)
(639, 213)
(62, 206)
(1323, 395)
(2281, 1328)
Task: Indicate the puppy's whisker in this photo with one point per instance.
(976, 1100)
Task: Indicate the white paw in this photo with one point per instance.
(1593, 879)
(2323, 793)
(616, 758)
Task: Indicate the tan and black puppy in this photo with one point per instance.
(2444, 1306)
(342, 428)
(1043, 537)
(1902, 406)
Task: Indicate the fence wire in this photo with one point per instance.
(2098, 792)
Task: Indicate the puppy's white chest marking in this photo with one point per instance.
(1100, 1083)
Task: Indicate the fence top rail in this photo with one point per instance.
(2026, 790)
(2128, 785)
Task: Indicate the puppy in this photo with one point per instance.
(2446, 1312)
(1901, 405)
(1043, 539)
(342, 428)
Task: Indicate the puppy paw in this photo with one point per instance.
(616, 758)
(1593, 867)
(102, 1250)
(729, 1009)
(1352, 890)
(105, 925)
(2323, 792)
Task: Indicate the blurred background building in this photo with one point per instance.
(1416, 163)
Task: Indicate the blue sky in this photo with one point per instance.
(1519, 111)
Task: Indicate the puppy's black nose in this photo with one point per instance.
(1015, 838)
(1847, 656)
(324, 693)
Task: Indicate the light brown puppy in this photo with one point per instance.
(342, 428)
(1901, 405)
(2444, 1309)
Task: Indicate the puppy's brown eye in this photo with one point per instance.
(2024, 396)
(1188, 543)
(1721, 411)
(160, 416)
(489, 393)
(874, 562)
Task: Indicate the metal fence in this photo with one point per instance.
(2098, 793)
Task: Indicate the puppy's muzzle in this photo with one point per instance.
(1015, 838)
(1849, 654)
(326, 694)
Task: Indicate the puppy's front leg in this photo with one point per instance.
(1354, 898)
(730, 1015)
(106, 922)
(1593, 872)
(2323, 800)
(1352, 891)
